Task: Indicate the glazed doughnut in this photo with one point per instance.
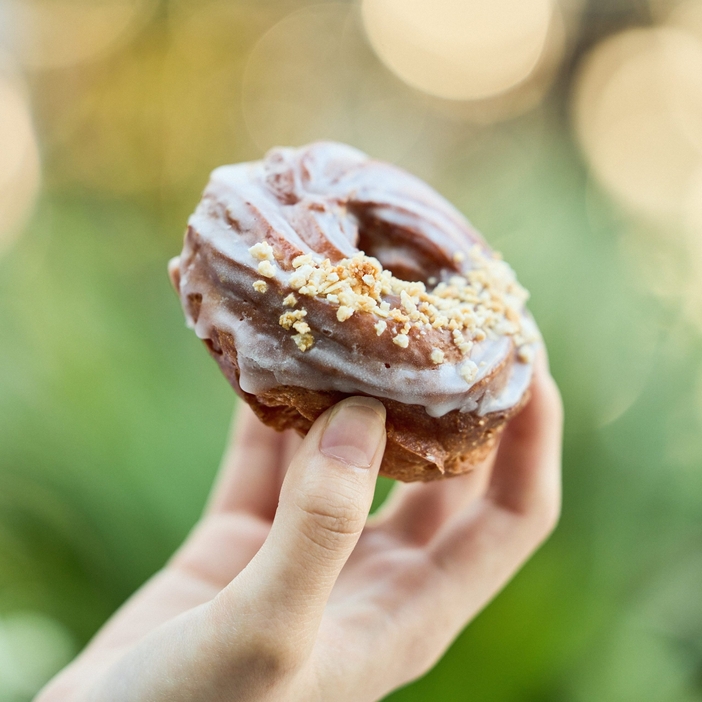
(319, 273)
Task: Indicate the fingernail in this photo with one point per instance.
(354, 431)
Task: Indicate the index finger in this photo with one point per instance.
(253, 467)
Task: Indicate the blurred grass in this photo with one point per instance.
(112, 423)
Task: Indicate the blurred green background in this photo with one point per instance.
(569, 132)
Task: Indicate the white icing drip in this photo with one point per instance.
(264, 365)
(519, 381)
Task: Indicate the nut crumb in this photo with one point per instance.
(290, 301)
(262, 251)
(468, 371)
(463, 346)
(260, 286)
(380, 327)
(265, 268)
(289, 318)
(344, 312)
(402, 340)
(303, 341)
(437, 356)
(303, 260)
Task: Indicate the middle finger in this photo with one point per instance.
(414, 512)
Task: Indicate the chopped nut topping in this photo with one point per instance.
(262, 251)
(407, 302)
(265, 268)
(303, 341)
(463, 346)
(468, 371)
(485, 302)
(437, 356)
(298, 261)
(289, 318)
(260, 286)
(344, 312)
(293, 320)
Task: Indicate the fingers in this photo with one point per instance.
(482, 547)
(414, 512)
(242, 504)
(252, 469)
(324, 504)
(527, 475)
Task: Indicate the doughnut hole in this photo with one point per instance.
(404, 253)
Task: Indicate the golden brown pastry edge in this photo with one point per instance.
(419, 447)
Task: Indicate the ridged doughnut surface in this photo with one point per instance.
(318, 273)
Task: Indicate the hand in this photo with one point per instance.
(285, 591)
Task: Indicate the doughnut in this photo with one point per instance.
(320, 273)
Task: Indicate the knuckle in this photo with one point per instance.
(330, 520)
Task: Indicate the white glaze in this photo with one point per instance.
(267, 358)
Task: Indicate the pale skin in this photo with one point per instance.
(286, 590)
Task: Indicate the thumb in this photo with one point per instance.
(324, 504)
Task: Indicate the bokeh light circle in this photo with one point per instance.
(637, 107)
(459, 49)
(311, 76)
(59, 33)
(19, 161)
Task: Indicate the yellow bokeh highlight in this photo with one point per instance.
(638, 112)
(164, 113)
(51, 34)
(312, 76)
(459, 49)
(19, 162)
